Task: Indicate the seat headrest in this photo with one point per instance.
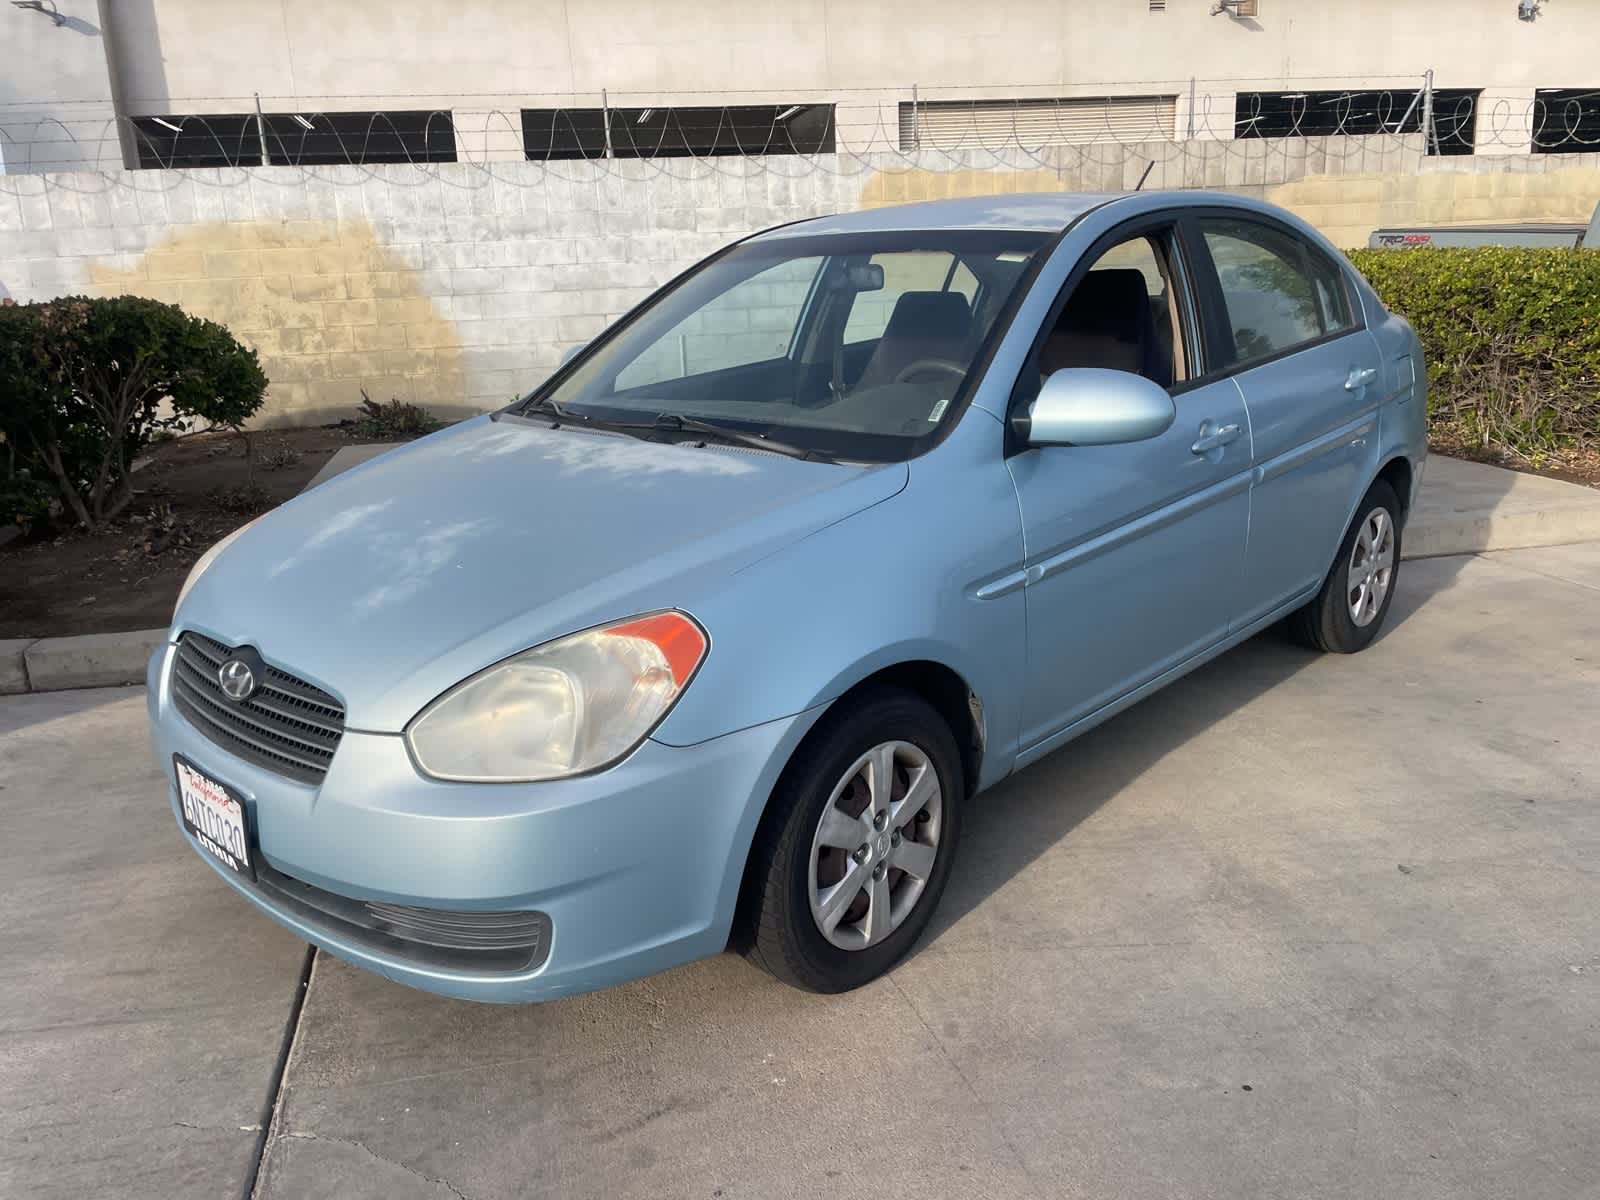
(1106, 323)
(930, 316)
(1112, 298)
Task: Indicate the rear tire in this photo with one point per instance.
(825, 916)
(1348, 611)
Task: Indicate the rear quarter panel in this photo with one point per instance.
(1403, 419)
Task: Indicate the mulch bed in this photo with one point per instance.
(188, 494)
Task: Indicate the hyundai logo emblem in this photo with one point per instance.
(237, 680)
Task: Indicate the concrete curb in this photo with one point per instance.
(1498, 531)
(89, 660)
(1466, 508)
(14, 665)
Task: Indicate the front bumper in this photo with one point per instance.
(637, 868)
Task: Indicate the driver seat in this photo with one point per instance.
(922, 325)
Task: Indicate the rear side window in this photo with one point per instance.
(1279, 292)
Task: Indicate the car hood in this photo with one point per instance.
(395, 580)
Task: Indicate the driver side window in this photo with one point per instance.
(1125, 315)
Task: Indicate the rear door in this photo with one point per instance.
(1286, 321)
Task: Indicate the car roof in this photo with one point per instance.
(1046, 212)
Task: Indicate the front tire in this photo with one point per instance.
(856, 845)
(1347, 613)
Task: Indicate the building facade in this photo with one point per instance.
(157, 83)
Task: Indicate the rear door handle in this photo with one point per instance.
(1360, 377)
(1217, 437)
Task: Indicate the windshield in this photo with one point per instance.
(855, 345)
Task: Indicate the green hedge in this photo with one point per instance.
(1511, 337)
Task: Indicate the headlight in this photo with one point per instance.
(572, 705)
(204, 562)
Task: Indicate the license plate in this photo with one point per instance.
(216, 818)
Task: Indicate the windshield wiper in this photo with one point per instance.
(668, 422)
(548, 404)
(560, 415)
(678, 423)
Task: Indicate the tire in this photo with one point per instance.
(779, 928)
(1329, 622)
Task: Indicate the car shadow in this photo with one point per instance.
(1015, 822)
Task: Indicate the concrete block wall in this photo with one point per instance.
(1447, 191)
(460, 285)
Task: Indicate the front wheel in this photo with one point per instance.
(855, 848)
(1347, 613)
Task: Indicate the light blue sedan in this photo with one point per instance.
(712, 638)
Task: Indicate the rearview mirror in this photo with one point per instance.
(572, 353)
(862, 277)
(1091, 406)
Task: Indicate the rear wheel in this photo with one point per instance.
(1347, 613)
(855, 848)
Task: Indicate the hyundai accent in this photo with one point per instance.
(713, 638)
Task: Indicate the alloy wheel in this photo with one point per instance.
(1371, 567)
(875, 845)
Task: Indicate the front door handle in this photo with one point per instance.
(1217, 437)
(1360, 377)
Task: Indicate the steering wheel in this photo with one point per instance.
(936, 365)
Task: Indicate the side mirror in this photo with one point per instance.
(1091, 406)
(572, 353)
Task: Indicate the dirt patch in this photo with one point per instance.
(1569, 466)
(188, 494)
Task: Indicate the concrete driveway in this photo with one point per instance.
(1296, 927)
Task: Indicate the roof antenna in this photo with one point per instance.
(1151, 166)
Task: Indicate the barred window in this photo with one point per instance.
(677, 132)
(1566, 121)
(1324, 114)
(294, 139)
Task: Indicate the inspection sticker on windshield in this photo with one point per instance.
(216, 818)
(938, 411)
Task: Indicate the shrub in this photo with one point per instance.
(24, 500)
(82, 386)
(1511, 336)
(394, 419)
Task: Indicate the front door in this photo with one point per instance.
(1134, 552)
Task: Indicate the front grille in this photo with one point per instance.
(488, 942)
(288, 726)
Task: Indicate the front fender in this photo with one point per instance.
(894, 583)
